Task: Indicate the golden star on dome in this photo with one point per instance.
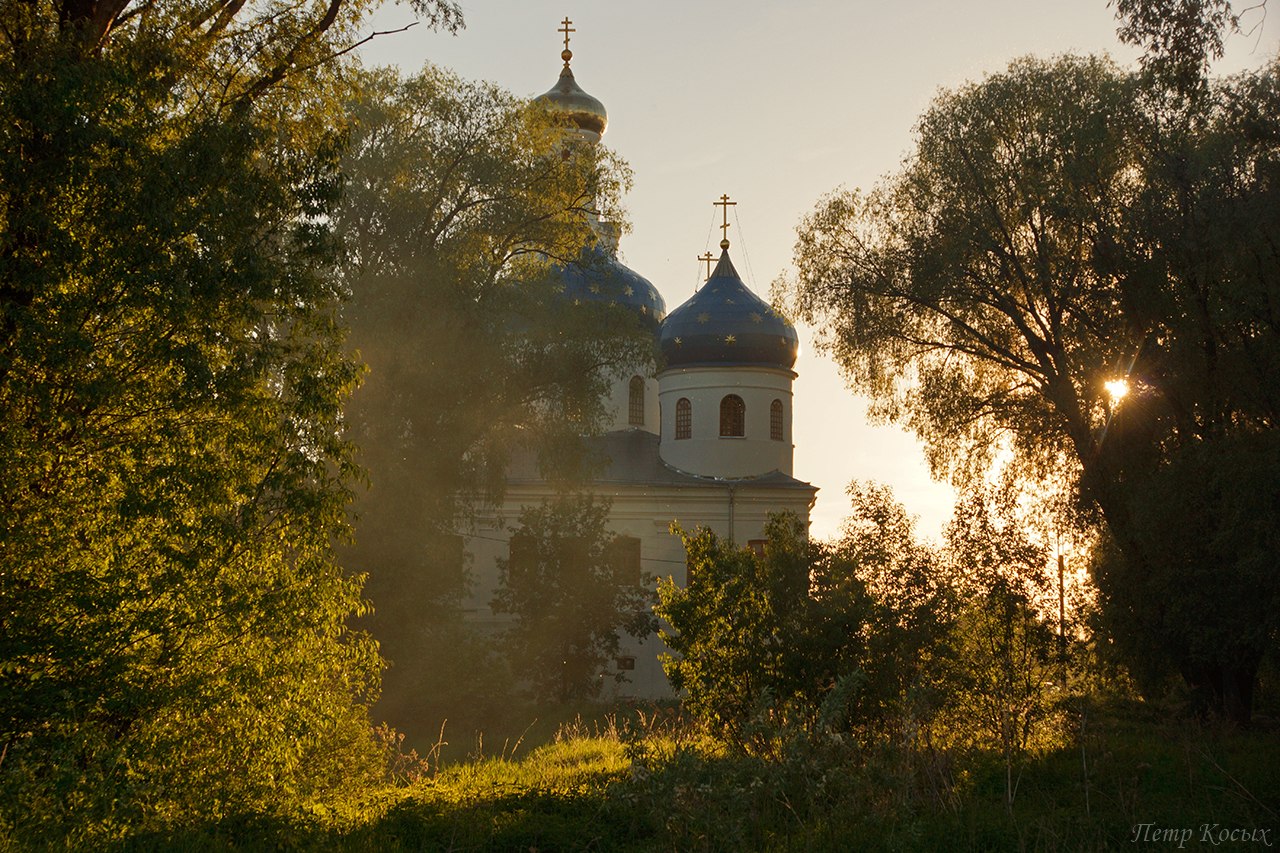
(627, 290)
(704, 318)
(730, 339)
(595, 288)
(644, 309)
(728, 301)
(679, 342)
(577, 302)
(756, 318)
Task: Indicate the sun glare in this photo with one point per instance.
(1117, 388)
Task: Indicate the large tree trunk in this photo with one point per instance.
(1224, 689)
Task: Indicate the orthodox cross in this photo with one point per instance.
(707, 259)
(566, 29)
(724, 227)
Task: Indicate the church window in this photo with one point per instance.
(626, 663)
(624, 558)
(733, 416)
(756, 546)
(775, 420)
(684, 418)
(635, 402)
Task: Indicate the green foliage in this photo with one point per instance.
(914, 603)
(961, 295)
(173, 625)
(1001, 685)
(1061, 225)
(760, 639)
(569, 603)
(1207, 521)
(639, 789)
(842, 639)
(876, 640)
(1181, 37)
(457, 197)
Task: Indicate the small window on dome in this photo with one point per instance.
(775, 420)
(635, 402)
(733, 416)
(684, 418)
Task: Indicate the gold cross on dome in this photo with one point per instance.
(566, 29)
(707, 259)
(724, 227)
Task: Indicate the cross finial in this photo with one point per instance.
(707, 259)
(724, 227)
(566, 54)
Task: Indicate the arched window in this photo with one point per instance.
(775, 420)
(635, 402)
(733, 416)
(684, 418)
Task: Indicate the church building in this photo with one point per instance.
(705, 440)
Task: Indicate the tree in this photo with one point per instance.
(913, 605)
(808, 637)
(172, 620)
(1058, 229)
(1181, 37)
(458, 197)
(734, 628)
(1001, 679)
(569, 599)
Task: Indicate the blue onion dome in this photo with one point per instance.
(598, 276)
(724, 323)
(568, 99)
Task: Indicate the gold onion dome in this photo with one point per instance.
(567, 98)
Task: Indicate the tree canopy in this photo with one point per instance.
(173, 624)
(567, 588)
(1059, 237)
(458, 199)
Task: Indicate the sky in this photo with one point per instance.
(775, 104)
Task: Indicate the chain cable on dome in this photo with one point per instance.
(706, 242)
(751, 273)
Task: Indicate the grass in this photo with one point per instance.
(626, 784)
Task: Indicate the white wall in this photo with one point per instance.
(734, 511)
(708, 454)
(616, 406)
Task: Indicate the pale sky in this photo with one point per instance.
(775, 104)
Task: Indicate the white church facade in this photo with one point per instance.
(705, 440)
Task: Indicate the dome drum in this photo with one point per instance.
(747, 437)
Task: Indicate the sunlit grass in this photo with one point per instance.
(616, 786)
(571, 765)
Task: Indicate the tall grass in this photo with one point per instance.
(636, 780)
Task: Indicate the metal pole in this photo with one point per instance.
(1062, 624)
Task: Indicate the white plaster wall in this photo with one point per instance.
(708, 454)
(733, 512)
(616, 412)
